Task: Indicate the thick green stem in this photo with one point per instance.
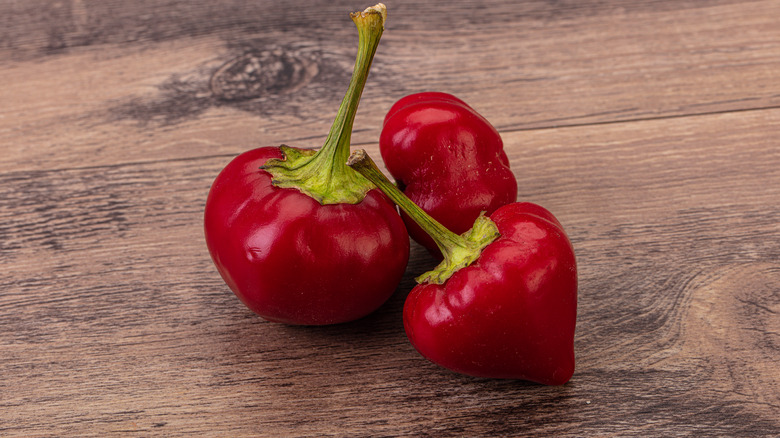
(324, 175)
(459, 251)
(370, 25)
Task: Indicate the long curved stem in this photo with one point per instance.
(459, 251)
(370, 25)
(323, 175)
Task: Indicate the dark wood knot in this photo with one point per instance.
(262, 73)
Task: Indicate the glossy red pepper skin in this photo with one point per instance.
(293, 260)
(447, 159)
(512, 312)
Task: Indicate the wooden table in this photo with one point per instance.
(650, 128)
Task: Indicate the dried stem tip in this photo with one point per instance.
(378, 8)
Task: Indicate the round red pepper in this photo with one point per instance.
(503, 302)
(300, 237)
(447, 159)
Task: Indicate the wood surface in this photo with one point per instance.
(649, 127)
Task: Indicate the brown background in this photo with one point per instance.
(650, 128)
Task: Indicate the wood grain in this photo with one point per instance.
(648, 127)
(146, 97)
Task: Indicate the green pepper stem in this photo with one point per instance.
(444, 238)
(324, 175)
(370, 25)
(458, 251)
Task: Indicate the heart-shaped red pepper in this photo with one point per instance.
(503, 302)
(509, 314)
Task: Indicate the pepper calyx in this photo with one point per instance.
(483, 233)
(299, 169)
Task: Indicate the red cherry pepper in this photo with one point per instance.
(503, 302)
(447, 159)
(300, 237)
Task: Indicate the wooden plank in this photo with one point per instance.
(113, 320)
(125, 86)
(45, 26)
